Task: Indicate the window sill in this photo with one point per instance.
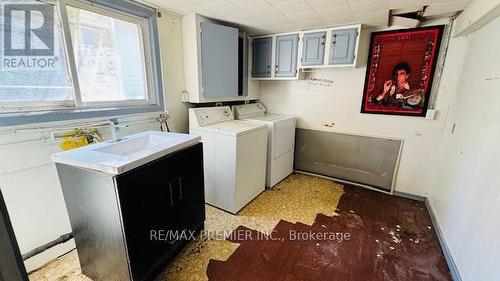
(24, 118)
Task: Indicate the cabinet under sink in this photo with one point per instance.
(128, 226)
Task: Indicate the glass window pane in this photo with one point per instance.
(33, 71)
(109, 57)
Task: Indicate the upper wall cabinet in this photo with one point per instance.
(216, 67)
(342, 47)
(313, 48)
(262, 50)
(275, 57)
(279, 56)
(339, 43)
(286, 55)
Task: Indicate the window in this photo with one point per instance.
(109, 56)
(98, 57)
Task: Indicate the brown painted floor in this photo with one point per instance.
(390, 238)
(304, 203)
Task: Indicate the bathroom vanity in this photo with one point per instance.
(124, 198)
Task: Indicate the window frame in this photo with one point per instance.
(133, 12)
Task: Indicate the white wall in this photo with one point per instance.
(317, 105)
(29, 180)
(464, 191)
(170, 30)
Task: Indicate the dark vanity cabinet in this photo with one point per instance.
(163, 195)
(129, 226)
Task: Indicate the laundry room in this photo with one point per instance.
(249, 140)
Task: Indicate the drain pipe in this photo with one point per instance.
(62, 239)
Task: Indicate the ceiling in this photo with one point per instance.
(272, 16)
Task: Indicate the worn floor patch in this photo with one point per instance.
(298, 198)
(374, 237)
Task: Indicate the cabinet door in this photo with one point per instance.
(146, 204)
(313, 50)
(219, 51)
(189, 190)
(343, 46)
(261, 57)
(286, 55)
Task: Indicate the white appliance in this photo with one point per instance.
(234, 156)
(281, 139)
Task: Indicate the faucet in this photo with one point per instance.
(115, 129)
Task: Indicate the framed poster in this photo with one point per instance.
(400, 70)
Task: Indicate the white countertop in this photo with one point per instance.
(128, 153)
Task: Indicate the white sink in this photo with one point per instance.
(130, 152)
(127, 146)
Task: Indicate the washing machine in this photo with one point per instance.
(281, 139)
(234, 156)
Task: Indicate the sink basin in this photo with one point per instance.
(126, 154)
(127, 146)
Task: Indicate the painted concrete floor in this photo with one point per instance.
(298, 198)
(376, 237)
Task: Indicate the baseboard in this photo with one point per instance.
(341, 181)
(410, 196)
(455, 274)
(37, 261)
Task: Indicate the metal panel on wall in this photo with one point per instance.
(360, 159)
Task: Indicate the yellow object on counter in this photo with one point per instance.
(73, 142)
(79, 137)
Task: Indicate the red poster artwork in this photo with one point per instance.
(400, 69)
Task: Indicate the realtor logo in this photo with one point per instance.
(28, 30)
(28, 37)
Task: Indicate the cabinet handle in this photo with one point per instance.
(180, 188)
(171, 194)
